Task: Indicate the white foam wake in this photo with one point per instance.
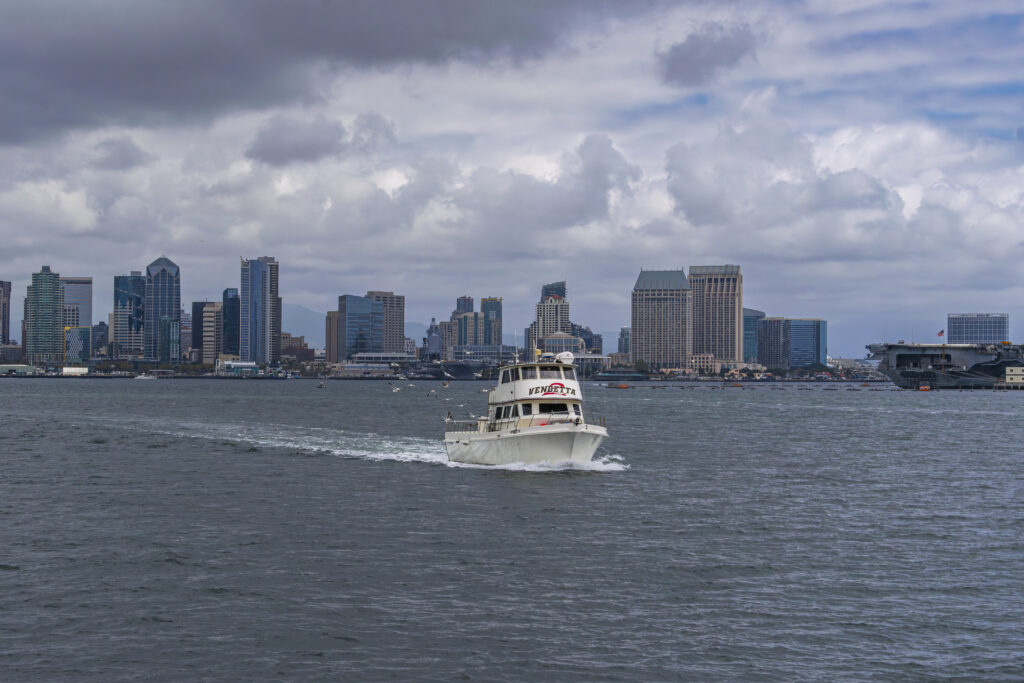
(341, 443)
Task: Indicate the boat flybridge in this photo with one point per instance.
(534, 414)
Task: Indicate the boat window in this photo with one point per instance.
(527, 409)
(576, 407)
(553, 408)
(505, 413)
(515, 411)
(530, 373)
(515, 373)
(504, 377)
(551, 372)
(569, 373)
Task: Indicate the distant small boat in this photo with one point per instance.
(622, 386)
(322, 386)
(145, 376)
(924, 387)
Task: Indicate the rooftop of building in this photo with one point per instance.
(714, 270)
(661, 279)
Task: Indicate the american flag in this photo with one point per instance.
(941, 333)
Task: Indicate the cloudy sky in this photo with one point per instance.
(862, 161)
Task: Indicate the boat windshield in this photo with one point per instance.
(553, 408)
(550, 372)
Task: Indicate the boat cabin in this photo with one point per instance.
(535, 394)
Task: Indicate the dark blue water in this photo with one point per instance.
(220, 530)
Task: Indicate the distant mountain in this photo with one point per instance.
(301, 321)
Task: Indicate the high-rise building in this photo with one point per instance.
(624, 340)
(394, 319)
(331, 338)
(808, 342)
(212, 325)
(260, 316)
(554, 289)
(716, 293)
(231, 314)
(978, 328)
(490, 306)
(464, 304)
(552, 316)
(100, 339)
(360, 326)
(185, 333)
(127, 321)
(469, 329)
(661, 325)
(78, 311)
(77, 343)
(750, 318)
(44, 319)
(5, 312)
(773, 343)
(197, 327)
(162, 328)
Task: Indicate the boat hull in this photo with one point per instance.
(558, 443)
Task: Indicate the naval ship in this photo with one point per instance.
(947, 366)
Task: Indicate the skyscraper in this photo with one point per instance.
(554, 289)
(978, 328)
(162, 328)
(212, 325)
(624, 339)
(552, 316)
(5, 312)
(78, 313)
(197, 324)
(491, 308)
(44, 319)
(231, 315)
(773, 343)
(808, 342)
(360, 326)
(127, 337)
(394, 319)
(661, 329)
(716, 293)
(750, 318)
(464, 304)
(331, 338)
(260, 311)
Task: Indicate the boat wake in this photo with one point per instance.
(367, 446)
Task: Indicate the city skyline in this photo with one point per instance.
(860, 160)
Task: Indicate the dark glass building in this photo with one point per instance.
(750, 318)
(491, 308)
(163, 301)
(231, 311)
(360, 326)
(127, 338)
(554, 289)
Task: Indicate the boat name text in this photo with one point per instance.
(553, 389)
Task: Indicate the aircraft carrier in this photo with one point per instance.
(947, 366)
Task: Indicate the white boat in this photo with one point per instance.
(145, 376)
(534, 415)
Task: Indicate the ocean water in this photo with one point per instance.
(245, 530)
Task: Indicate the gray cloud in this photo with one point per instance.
(81, 64)
(705, 52)
(119, 154)
(285, 139)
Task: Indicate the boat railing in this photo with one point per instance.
(523, 422)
